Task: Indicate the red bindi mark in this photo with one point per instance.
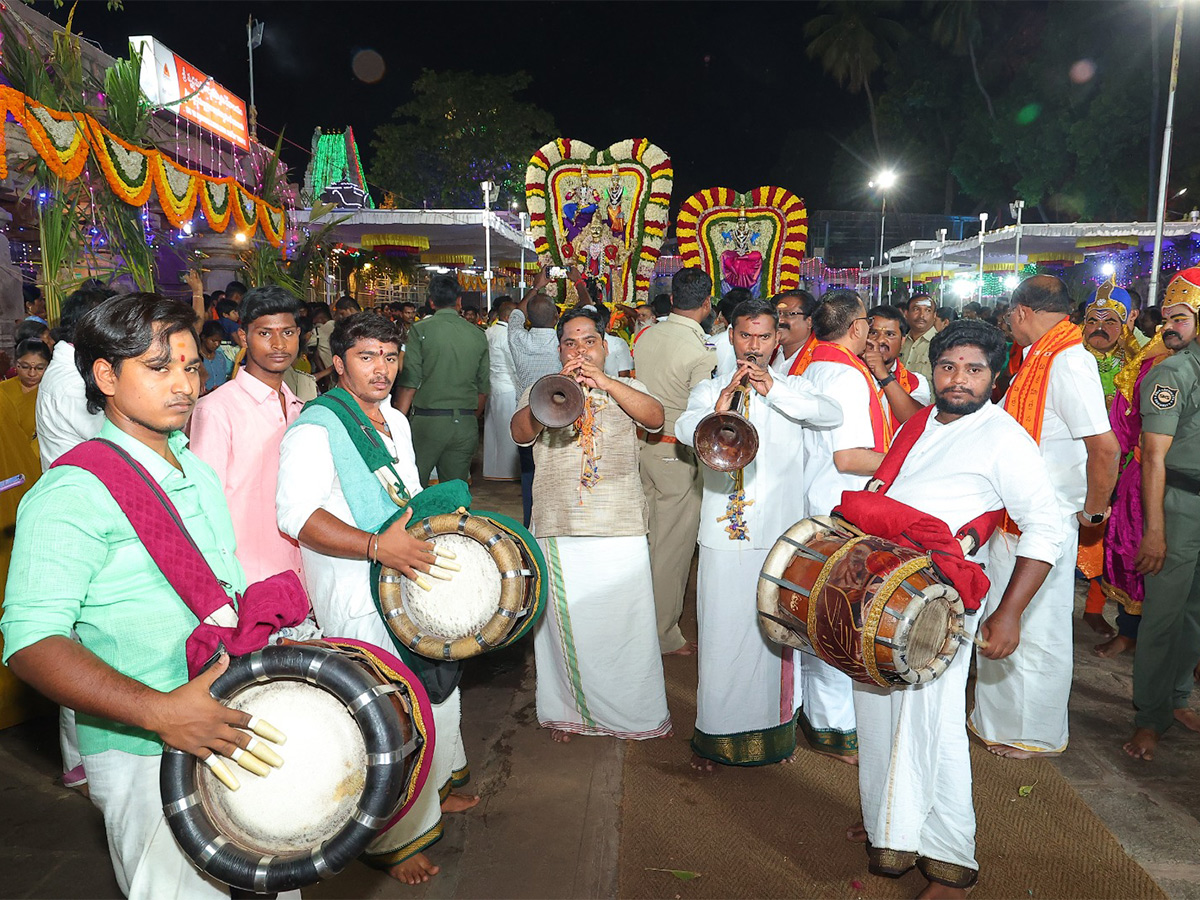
(182, 358)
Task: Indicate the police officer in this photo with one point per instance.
(1169, 556)
(672, 358)
(444, 384)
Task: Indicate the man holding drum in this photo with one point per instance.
(333, 505)
(78, 563)
(599, 670)
(747, 696)
(967, 460)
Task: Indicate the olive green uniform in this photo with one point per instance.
(1168, 644)
(446, 360)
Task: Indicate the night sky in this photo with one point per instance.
(723, 87)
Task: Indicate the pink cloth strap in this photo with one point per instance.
(265, 607)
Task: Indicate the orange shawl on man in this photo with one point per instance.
(881, 425)
(804, 357)
(1026, 397)
(906, 380)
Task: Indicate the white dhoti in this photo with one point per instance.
(747, 696)
(146, 859)
(1021, 700)
(827, 718)
(599, 670)
(500, 460)
(914, 774)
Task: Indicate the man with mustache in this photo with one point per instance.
(914, 353)
(906, 392)
(796, 341)
(1108, 335)
(1169, 556)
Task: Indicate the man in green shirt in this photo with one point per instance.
(444, 385)
(77, 563)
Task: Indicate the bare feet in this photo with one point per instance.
(935, 891)
(1114, 647)
(456, 802)
(1188, 718)
(702, 766)
(688, 649)
(848, 759)
(559, 736)
(1142, 744)
(1013, 752)
(414, 870)
(1099, 624)
(857, 833)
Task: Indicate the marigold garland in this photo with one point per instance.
(178, 190)
(59, 138)
(245, 208)
(273, 223)
(217, 200)
(126, 168)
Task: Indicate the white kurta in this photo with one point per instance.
(783, 364)
(619, 359)
(340, 592)
(1021, 700)
(749, 688)
(914, 759)
(921, 392)
(828, 714)
(500, 459)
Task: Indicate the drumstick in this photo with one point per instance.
(222, 772)
(266, 730)
(979, 642)
(250, 762)
(263, 751)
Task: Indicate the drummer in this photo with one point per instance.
(321, 494)
(77, 563)
(969, 459)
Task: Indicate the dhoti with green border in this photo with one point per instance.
(749, 687)
(599, 670)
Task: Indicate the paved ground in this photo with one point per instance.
(549, 823)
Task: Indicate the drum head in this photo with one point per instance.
(461, 607)
(926, 635)
(314, 793)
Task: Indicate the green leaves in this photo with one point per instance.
(1026, 789)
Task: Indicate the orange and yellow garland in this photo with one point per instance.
(133, 173)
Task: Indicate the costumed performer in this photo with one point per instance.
(749, 689)
(599, 670)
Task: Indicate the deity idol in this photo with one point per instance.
(741, 266)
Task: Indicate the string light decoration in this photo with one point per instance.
(334, 160)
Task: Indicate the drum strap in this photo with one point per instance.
(264, 608)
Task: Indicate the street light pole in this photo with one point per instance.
(882, 226)
(983, 217)
(1165, 165)
(254, 33)
(524, 217)
(489, 188)
(1018, 207)
(941, 235)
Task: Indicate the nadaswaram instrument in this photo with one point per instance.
(556, 400)
(726, 440)
(354, 741)
(875, 610)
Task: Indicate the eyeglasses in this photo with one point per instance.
(791, 315)
(25, 367)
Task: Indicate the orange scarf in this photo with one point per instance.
(1026, 397)
(906, 380)
(804, 357)
(881, 426)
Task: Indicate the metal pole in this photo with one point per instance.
(942, 266)
(487, 239)
(983, 217)
(1020, 205)
(524, 226)
(253, 109)
(882, 226)
(1165, 165)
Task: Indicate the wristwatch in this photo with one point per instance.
(1093, 519)
(884, 382)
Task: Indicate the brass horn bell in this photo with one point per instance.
(726, 441)
(556, 400)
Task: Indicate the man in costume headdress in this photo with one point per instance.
(1107, 331)
(1122, 582)
(1169, 554)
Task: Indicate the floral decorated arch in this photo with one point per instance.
(754, 240)
(603, 211)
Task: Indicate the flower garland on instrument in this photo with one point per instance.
(589, 475)
(735, 509)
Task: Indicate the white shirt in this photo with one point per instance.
(726, 356)
(619, 358)
(773, 480)
(783, 364)
(848, 387)
(982, 462)
(501, 370)
(1074, 410)
(921, 392)
(340, 589)
(61, 414)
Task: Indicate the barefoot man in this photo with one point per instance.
(599, 670)
(333, 504)
(1056, 395)
(1169, 637)
(748, 693)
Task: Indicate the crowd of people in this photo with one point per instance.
(1037, 441)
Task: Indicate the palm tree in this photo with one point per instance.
(851, 44)
(956, 27)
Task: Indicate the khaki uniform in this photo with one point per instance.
(914, 353)
(446, 360)
(1169, 636)
(672, 358)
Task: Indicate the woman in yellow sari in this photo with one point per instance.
(18, 456)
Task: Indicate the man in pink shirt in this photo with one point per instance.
(238, 427)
